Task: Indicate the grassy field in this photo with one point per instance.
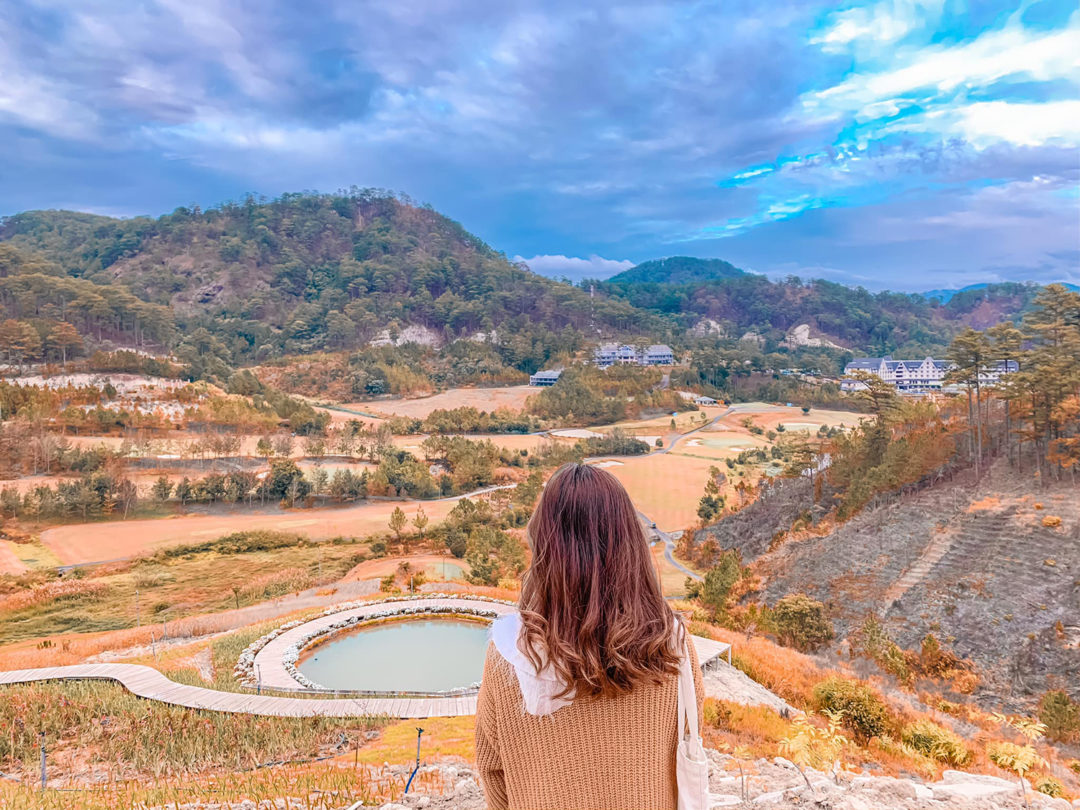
(169, 588)
(672, 580)
(665, 487)
(93, 542)
(483, 399)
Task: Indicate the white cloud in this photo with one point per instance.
(878, 25)
(1020, 124)
(929, 75)
(574, 268)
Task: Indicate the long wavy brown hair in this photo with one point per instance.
(591, 604)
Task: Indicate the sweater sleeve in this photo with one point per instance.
(488, 756)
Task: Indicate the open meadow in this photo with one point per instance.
(512, 397)
(667, 484)
(93, 542)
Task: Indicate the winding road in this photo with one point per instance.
(665, 537)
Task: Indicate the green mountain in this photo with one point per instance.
(677, 270)
(306, 272)
(854, 318)
(250, 281)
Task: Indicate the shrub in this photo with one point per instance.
(1049, 785)
(864, 711)
(873, 641)
(800, 622)
(938, 743)
(1061, 716)
(715, 589)
(710, 712)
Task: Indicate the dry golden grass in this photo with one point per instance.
(444, 737)
(54, 591)
(665, 487)
(732, 724)
(90, 542)
(483, 399)
(672, 580)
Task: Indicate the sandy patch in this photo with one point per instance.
(483, 399)
(576, 433)
(608, 464)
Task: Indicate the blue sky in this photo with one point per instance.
(908, 144)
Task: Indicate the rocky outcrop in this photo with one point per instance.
(778, 785)
(799, 336)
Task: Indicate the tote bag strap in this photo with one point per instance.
(687, 703)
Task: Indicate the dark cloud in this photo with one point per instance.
(554, 130)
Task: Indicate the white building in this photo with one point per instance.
(610, 354)
(658, 354)
(927, 374)
(545, 378)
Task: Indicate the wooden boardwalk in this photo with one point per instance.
(147, 682)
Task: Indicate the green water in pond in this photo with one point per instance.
(415, 655)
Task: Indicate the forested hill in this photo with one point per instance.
(677, 270)
(854, 318)
(247, 282)
(306, 272)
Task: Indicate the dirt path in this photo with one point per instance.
(9, 563)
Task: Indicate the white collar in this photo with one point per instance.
(538, 688)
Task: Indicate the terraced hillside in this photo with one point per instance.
(976, 566)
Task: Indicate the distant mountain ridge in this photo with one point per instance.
(944, 296)
(677, 270)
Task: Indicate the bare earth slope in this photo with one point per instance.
(972, 564)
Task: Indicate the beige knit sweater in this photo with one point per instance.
(600, 754)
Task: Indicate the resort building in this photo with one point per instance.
(610, 354)
(703, 400)
(916, 375)
(658, 355)
(545, 378)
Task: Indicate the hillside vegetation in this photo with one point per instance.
(854, 318)
(299, 273)
(677, 270)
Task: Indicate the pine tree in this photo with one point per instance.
(397, 521)
(420, 521)
(970, 353)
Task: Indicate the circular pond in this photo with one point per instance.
(405, 655)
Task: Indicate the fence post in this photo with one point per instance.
(41, 740)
